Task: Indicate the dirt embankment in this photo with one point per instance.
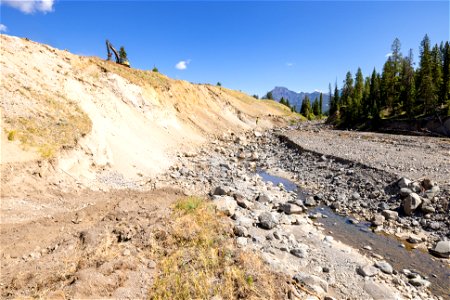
(106, 124)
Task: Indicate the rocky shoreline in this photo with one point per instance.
(273, 221)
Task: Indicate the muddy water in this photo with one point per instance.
(393, 251)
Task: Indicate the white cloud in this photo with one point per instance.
(289, 64)
(31, 6)
(388, 54)
(182, 65)
(3, 28)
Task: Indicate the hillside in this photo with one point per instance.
(99, 119)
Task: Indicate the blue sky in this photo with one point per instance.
(250, 46)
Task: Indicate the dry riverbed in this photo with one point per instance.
(108, 244)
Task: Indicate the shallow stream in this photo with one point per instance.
(398, 253)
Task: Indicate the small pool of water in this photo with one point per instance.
(360, 235)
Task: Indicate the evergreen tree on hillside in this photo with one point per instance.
(282, 101)
(347, 90)
(408, 90)
(306, 107)
(445, 89)
(330, 98)
(123, 54)
(357, 95)
(315, 107)
(375, 95)
(269, 96)
(334, 106)
(425, 86)
(365, 104)
(436, 70)
(320, 103)
(388, 83)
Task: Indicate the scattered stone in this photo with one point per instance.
(267, 220)
(367, 271)
(355, 196)
(405, 192)
(404, 182)
(390, 214)
(312, 282)
(384, 266)
(367, 247)
(225, 204)
(310, 201)
(299, 252)
(377, 220)
(414, 239)
(219, 191)
(431, 193)
(263, 198)
(410, 203)
(326, 270)
(290, 208)
(419, 281)
(241, 241)
(240, 231)
(427, 183)
(442, 249)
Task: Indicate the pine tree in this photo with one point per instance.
(388, 84)
(306, 107)
(347, 90)
(357, 95)
(320, 104)
(330, 98)
(315, 107)
(445, 89)
(436, 70)
(365, 104)
(425, 85)
(334, 105)
(123, 55)
(408, 91)
(269, 96)
(375, 95)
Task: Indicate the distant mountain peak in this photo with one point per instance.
(296, 99)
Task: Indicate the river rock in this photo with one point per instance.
(414, 239)
(267, 220)
(431, 193)
(242, 241)
(263, 198)
(309, 201)
(390, 214)
(384, 266)
(367, 270)
(240, 231)
(299, 252)
(404, 192)
(312, 282)
(427, 183)
(419, 281)
(410, 203)
(290, 208)
(242, 202)
(442, 249)
(377, 220)
(219, 191)
(225, 204)
(404, 182)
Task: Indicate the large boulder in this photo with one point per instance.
(390, 214)
(290, 208)
(367, 270)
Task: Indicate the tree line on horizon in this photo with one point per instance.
(308, 110)
(401, 90)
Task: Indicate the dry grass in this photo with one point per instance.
(57, 124)
(198, 260)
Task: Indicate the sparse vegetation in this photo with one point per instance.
(219, 84)
(12, 135)
(155, 69)
(199, 260)
(61, 124)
